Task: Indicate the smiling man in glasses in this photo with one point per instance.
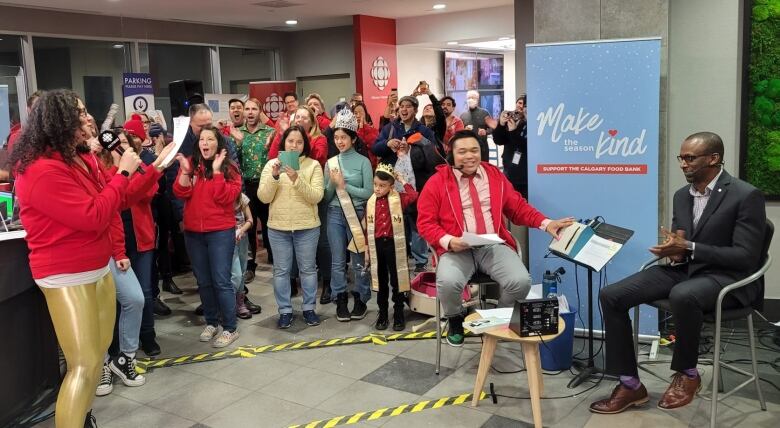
(716, 239)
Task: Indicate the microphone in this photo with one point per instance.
(110, 141)
(691, 174)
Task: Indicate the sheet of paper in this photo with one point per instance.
(502, 313)
(16, 234)
(180, 126)
(475, 240)
(597, 252)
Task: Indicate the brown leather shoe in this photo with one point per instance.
(680, 392)
(621, 399)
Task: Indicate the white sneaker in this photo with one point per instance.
(209, 332)
(225, 339)
(106, 384)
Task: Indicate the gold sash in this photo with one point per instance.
(358, 243)
(399, 240)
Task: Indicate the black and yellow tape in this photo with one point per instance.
(390, 411)
(145, 364)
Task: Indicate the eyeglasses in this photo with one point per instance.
(691, 158)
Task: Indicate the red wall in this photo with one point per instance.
(374, 76)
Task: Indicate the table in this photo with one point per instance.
(30, 361)
(533, 363)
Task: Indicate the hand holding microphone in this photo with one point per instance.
(110, 141)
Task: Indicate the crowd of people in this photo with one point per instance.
(332, 195)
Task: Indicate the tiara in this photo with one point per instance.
(386, 168)
(345, 119)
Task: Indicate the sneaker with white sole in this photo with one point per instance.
(124, 367)
(209, 332)
(106, 384)
(225, 339)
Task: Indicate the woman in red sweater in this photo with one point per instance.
(208, 184)
(66, 207)
(366, 130)
(304, 117)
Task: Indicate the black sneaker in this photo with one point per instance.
(342, 310)
(254, 309)
(399, 323)
(160, 308)
(150, 347)
(285, 320)
(106, 384)
(311, 318)
(124, 367)
(381, 320)
(170, 286)
(359, 310)
(89, 421)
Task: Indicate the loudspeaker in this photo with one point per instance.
(183, 94)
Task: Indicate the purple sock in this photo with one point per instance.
(691, 373)
(630, 382)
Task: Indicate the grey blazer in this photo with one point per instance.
(729, 236)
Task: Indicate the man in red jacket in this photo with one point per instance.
(446, 210)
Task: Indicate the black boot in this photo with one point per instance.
(254, 309)
(399, 323)
(360, 309)
(325, 297)
(342, 310)
(150, 347)
(160, 308)
(381, 320)
(170, 286)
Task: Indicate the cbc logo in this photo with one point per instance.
(274, 105)
(380, 72)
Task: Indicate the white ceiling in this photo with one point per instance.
(310, 14)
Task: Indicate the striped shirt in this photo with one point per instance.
(700, 199)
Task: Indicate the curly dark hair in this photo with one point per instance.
(51, 128)
(197, 157)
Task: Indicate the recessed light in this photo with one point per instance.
(291, 22)
(504, 38)
(452, 43)
(118, 46)
(439, 6)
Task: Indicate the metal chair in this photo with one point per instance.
(484, 283)
(716, 318)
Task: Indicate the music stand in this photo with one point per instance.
(612, 233)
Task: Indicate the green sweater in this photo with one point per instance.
(357, 174)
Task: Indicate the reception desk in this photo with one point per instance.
(29, 360)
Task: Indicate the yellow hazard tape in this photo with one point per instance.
(145, 364)
(387, 412)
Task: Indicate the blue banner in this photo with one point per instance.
(593, 125)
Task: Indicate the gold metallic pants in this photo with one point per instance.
(83, 318)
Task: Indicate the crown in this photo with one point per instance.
(345, 119)
(386, 168)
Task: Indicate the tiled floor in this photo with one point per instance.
(296, 387)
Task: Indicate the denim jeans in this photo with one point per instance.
(131, 301)
(211, 254)
(323, 247)
(339, 236)
(416, 242)
(301, 244)
(143, 266)
(240, 257)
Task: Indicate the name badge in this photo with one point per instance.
(516, 158)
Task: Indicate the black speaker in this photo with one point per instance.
(183, 94)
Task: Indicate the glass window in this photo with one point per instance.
(240, 66)
(11, 82)
(177, 62)
(92, 68)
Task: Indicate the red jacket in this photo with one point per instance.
(138, 199)
(208, 203)
(323, 121)
(368, 134)
(440, 211)
(66, 212)
(318, 148)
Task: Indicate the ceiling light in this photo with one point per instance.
(452, 43)
(506, 45)
(118, 46)
(291, 22)
(504, 38)
(439, 6)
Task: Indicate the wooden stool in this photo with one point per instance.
(533, 364)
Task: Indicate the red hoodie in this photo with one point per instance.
(318, 146)
(440, 211)
(66, 212)
(208, 203)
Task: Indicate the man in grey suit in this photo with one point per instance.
(716, 238)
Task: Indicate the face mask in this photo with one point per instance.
(471, 102)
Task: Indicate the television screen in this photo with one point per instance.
(491, 72)
(461, 71)
(492, 101)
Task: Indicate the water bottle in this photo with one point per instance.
(549, 284)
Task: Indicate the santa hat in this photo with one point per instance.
(135, 127)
